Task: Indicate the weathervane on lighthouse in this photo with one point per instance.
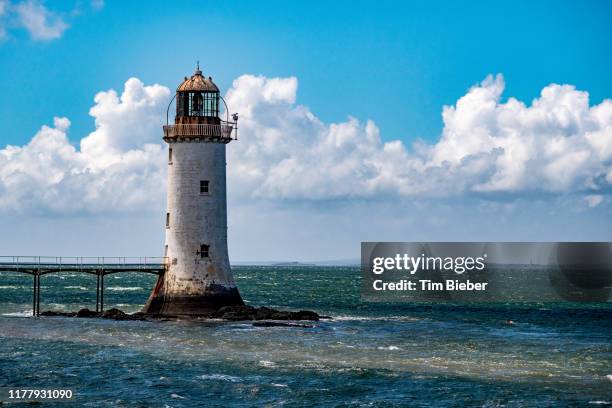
(198, 278)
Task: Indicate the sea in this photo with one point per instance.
(370, 354)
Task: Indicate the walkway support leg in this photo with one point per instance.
(38, 297)
(97, 292)
(34, 295)
(102, 292)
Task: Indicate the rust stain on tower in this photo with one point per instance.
(198, 278)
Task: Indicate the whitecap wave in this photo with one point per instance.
(388, 348)
(25, 313)
(219, 377)
(123, 289)
(373, 318)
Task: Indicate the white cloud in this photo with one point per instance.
(39, 21)
(556, 145)
(117, 168)
(3, 11)
(593, 200)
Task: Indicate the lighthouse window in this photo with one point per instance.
(204, 185)
(170, 156)
(197, 104)
(210, 104)
(204, 251)
(168, 220)
(201, 104)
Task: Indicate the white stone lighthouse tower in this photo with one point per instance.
(198, 277)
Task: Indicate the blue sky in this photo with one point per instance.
(396, 63)
(490, 169)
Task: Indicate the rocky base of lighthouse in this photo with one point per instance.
(229, 313)
(215, 298)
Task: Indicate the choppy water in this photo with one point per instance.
(369, 355)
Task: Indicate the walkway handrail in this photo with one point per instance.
(81, 261)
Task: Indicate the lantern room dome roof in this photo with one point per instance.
(197, 83)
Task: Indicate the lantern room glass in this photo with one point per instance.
(196, 104)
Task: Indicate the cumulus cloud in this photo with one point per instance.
(558, 144)
(593, 200)
(3, 12)
(39, 21)
(117, 167)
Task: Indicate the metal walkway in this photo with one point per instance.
(99, 266)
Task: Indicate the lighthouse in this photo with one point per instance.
(198, 278)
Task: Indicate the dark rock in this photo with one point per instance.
(120, 315)
(305, 315)
(280, 315)
(86, 313)
(264, 313)
(235, 313)
(54, 313)
(230, 313)
(113, 314)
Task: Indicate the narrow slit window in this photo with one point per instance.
(204, 186)
(167, 220)
(170, 156)
(204, 251)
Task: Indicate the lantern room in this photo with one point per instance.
(198, 105)
(197, 101)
